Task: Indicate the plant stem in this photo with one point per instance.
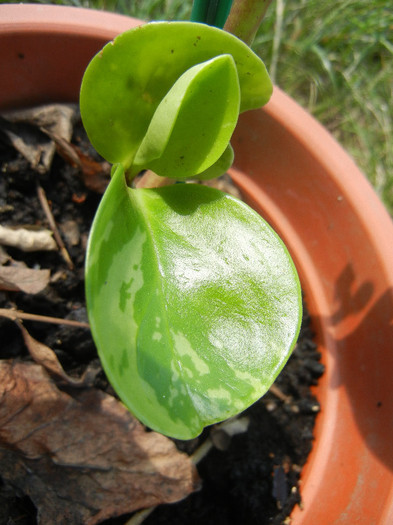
(150, 180)
(245, 18)
(211, 12)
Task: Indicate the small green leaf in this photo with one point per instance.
(194, 122)
(124, 83)
(193, 300)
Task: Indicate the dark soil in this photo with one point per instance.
(254, 477)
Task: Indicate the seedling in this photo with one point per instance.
(193, 300)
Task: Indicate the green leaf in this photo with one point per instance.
(219, 167)
(193, 300)
(194, 122)
(124, 83)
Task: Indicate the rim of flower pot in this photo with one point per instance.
(72, 34)
(333, 224)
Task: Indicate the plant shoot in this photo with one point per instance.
(193, 300)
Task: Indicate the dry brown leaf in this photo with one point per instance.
(28, 280)
(96, 174)
(45, 356)
(27, 240)
(30, 131)
(4, 257)
(70, 230)
(80, 456)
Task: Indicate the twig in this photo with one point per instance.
(201, 451)
(15, 315)
(52, 224)
(139, 517)
(278, 393)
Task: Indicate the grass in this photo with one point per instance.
(335, 58)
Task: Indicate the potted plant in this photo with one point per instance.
(334, 226)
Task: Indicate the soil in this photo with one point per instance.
(251, 478)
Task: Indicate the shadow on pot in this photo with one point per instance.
(363, 361)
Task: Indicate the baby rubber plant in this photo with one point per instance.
(193, 300)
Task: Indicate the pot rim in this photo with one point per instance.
(70, 20)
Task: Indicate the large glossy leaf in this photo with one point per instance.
(193, 300)
(194, 122)
(124, 83)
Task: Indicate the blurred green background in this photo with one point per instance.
(334, 57)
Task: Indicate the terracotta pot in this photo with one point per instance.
(293, 172)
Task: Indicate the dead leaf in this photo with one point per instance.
(81, 457)
(53, 118)
(26, 239)
(30, 142)
(45, 356)
(4, 257)
(31, 132)
(36, 133)
(96, 174)
(28, 280)
(70, 230)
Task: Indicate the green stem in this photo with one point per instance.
(211, 12)
(245, 18)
